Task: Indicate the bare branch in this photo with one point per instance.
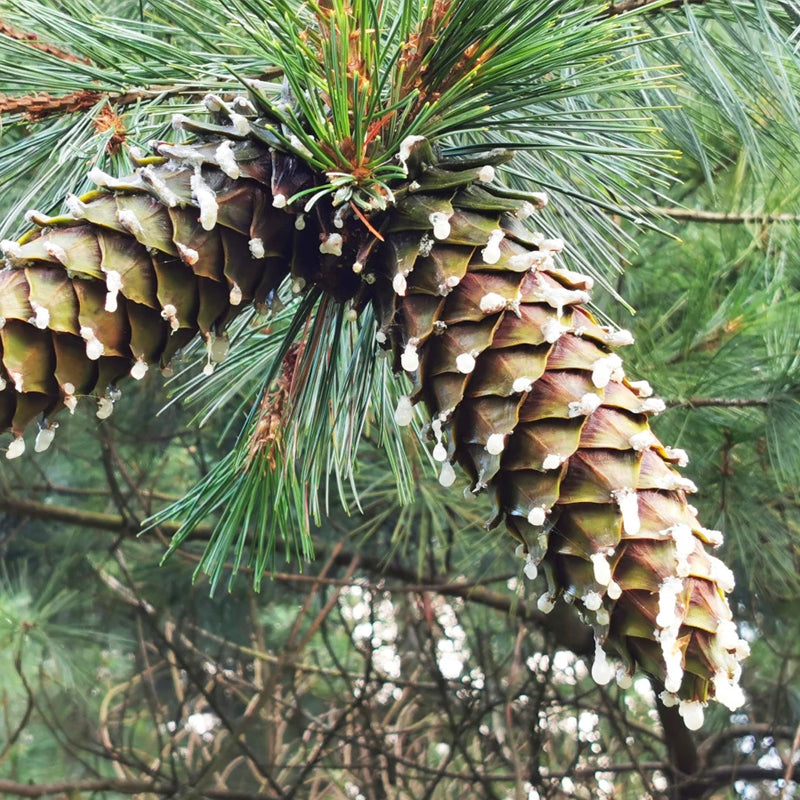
(561, 622)
(714, 743)
(721, 402)
(131, 787)
(33, 41)
(615, 9)
(717, 217)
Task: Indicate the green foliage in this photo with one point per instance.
(717, 323)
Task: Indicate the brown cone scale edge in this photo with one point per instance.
(522, 387)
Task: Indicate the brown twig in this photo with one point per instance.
(42, 104)
(615, 9)
(35, 107)
(721, 402)
(108, 120)
(274, 406)
(33, 41)
(717, 217)
(129, 787)
(560, 621)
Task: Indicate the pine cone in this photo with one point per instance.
(525, 392)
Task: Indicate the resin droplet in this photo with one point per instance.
(592, 601)
(624, 678)
(486, 174)
(606, 369)
(44, 439)
(41, 317)
(256, 246)
(491, 253)
(404, 413)
(530, 569)
(441, 225)
(406, 146)
(227, 160)
(16, 448)
(492, 302)
(113, 286)
(448, 474)
(495, 444)
(94, 347)
(332, 245)
(206, 199)
(546, 603)
(105, 406)
(692, 713)
(602, 569)
(522, 385)
(584, 407)
(602, 671)
(465, 363)
(139, 369)
(621, 338)
(552, 461)
(628, 504)
(170, 314)
(536, 516)
(409, 360)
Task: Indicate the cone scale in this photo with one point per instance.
(524, 390)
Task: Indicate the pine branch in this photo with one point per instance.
(718, 217)
(33, 40)
(560, 622)
(716, 777)
(41, 105)
(721, 402)
(38, 106)
(127, 787)
(717, 741)
(615, 9)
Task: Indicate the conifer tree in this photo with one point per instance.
(377, 177)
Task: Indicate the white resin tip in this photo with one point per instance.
(409, 360)
(139, 370)
(492, 302)
(404, 413)
(16, 448)
(331, 245)
(465, 363)
(44, 439)
(447, 477)
(486, 174)
(256, 246)
(537, 516)
(495, 444)
(546, 603)
(602, 569)
(441, 225)
(602, 671)
(491, 253)
(692, 713)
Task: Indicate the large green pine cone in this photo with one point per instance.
(521, 383)
(525, 392)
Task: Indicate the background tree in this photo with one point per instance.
(481, 693)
